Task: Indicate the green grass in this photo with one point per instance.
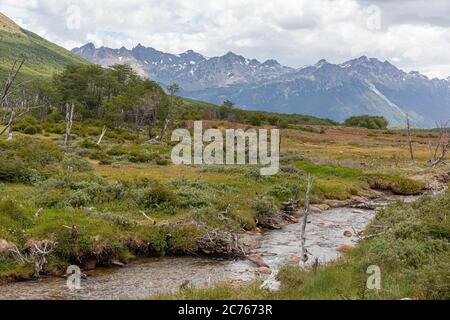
(328, 170)
(396, 184)
(103, 190)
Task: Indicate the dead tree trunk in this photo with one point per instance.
(101, 136)
(443, 144)
(304, 251)
(36, 254)
(164, 128)
(8, 127)
(411, 153)
(69, 123)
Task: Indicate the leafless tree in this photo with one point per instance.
(15, 69)
(4, 103)
(411, 152)
(442, 144)
(173, 89)
(304, 251)
(69, 122)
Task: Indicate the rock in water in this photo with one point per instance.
(256, 259)
(264, 270)
(347, 234)
(345, 248)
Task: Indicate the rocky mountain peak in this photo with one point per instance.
(321, 63)
(359, 86)
(271, 63)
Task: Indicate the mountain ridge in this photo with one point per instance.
(358, 86)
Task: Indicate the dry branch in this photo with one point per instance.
(304, 251)
(411, 152)
(36, 253)
(442, 145)
(101, 136)
(69, 122)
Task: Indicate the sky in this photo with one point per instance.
(412, 34)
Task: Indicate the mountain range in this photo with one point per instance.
(337, 91)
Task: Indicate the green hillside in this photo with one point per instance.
(43, 57)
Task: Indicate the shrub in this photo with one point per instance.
(366, 121)
(117, 151)
(162, 162)
(264, 207)
(283, 124)
(28, 161)
(137, 156)
(76, 163)
(154, 196)
(28, 125)
(284, 191)
(184, 239)
(32, 130)
(89, 144)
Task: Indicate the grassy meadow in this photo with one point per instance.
(125, 196)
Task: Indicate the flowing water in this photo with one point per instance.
(325, 233)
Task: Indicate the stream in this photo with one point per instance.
(147, 277)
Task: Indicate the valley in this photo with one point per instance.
(87, 176)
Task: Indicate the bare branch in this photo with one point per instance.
(10, 79)
(410, 139)
(101, 136)
(443, 144)
(304, 251)
(69, 122)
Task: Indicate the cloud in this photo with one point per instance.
(413, 33)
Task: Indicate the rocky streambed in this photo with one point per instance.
(329, 233)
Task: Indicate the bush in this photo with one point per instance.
(162, 162)
(366, 121)
(283, 124)
(76, 163)
(264, 207)
(28, 125)
(32, 130)
(137, 156)
(89, 144)
(117, 151)
(26, 161)
(285, 191)
(154, 196)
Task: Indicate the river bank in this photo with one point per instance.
(327, 231)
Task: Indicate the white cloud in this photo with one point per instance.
(413, 34)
